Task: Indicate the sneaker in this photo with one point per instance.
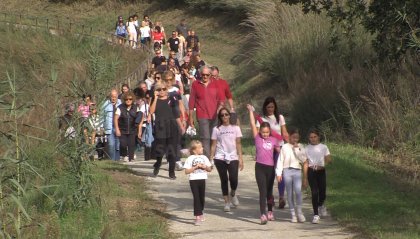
(322, 211)
(263, 219)
(227, 207)
(294, 219)
(301, 218)
(179, 166)
(315, 220)
(155, 172)
(135, 156)
(173, 177)
(197, 221)
(282, 203)
(125, 159)
(202, 218)
(270, 216)
(235, 201)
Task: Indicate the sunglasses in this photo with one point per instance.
(158, 78)
(161, 89)
(205, 74)
(128, 99)
(224, 115)
(189, 51)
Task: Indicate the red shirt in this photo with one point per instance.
(224, 89)
(205, 99)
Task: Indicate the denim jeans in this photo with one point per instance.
(113, 146)
(293, 180)
(205, 128)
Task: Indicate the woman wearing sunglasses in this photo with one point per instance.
(127, 125)
(226, 150)
(168, 128)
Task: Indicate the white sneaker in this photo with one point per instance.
(227, 207)
(294, 219)
(301, 218)
(235, 201)
(179, 166)
(135, 156)
(322, 210)
(125, 159)
(316, 219)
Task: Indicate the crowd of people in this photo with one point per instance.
(180, 92)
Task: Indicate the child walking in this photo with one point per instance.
(265, 145)
(289, 168)
(197, 165)
(318, 156)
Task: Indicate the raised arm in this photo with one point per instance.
(252, 120)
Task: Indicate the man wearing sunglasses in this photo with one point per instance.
(205, 98)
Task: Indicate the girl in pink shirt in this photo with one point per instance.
(265, 145)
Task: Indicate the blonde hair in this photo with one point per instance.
(193, 146)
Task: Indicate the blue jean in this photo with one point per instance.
(113, 146)
(293, 180)
(205, 129)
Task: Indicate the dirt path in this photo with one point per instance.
(242, 222)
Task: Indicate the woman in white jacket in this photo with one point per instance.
(291, 160)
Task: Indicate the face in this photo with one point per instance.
(173, 55)
(192, 33)
(294, 138)
(173, 35)
(158, 77)
(265, 132)
(162, 91)
(143, 87)
(205, 75)
(199, 149)
(270, 108)
(87, 99)
(224, 116)
(172, 62)
(215, 74)
(114, 97)
(313, 138)
(158, 53)
(189, 52)
(129, 100)
(125, 89)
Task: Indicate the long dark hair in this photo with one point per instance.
(317, 132)
(267, 101)
(219, 116)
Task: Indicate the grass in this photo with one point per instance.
(127, 211)
(366, 199)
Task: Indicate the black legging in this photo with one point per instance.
(227, 173)
(318, 183)
(198, 189)
(127, 143)
(264, 174)
(168, 146)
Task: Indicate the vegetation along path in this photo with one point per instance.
(242, 222)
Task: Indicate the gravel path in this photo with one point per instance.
(242, 222)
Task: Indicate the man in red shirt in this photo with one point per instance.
(224, 88)
(205, 98)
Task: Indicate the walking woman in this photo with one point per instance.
(168, 128)
(127, 125)
(278, 126)
(265, 145)
(226, 150)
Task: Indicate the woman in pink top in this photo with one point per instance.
(226, 150)
(265, 145)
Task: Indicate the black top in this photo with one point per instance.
(165, 119)
(174, 44)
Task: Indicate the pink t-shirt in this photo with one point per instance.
(84, 110)
(226, 141)
(265, 149)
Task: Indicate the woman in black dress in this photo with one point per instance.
(168, 128)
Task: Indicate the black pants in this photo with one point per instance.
(198, 189)
(318, 183)
(168, 146)
(264, 175)
(127, 145)
(227, 173)
(100, 146)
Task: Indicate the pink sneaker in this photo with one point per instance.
(270, 216)
(263, 219)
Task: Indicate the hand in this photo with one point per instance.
(250, 108)
(183, 129)
(232, 110)
(156, 94)
(279, 178)
(118, 132)
(305, 184)
(149, 119)
(241, 165)
(191, 123)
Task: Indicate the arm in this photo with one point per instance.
(239, 150)
(192, 169)
(305, 174)
(252, 120)
(279, 167)
(213, 149)
(284, 133)
(117, 128)
(140, 127)
(328, 159)
(191, 105)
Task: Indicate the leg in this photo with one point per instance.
(262, 186)
(313, 184)
(131, 146)
(172, 154)
(322, 186)
(270, 183)
(297, 188)
(123, 145)
(196, 196)
(287, 177)
(206, 127)
(222, 168)
(233, 169)
(202, 190)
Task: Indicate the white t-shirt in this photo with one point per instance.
(316, 154)
(226, 141)
(131, 28)
(192, 161)
(290, 157)
(273, 122)
(145, 31)
(145, 108)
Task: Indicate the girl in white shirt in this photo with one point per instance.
(318, 156)
(289, 168)
(197, 165)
